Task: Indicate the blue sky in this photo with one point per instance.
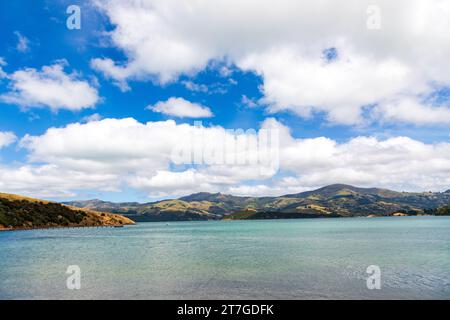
(34, 35)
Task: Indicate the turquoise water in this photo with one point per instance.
(268, 259)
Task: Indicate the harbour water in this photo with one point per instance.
(266, 259)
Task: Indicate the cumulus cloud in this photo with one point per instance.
(112, 154)
(50, 87)
(111, 71)
(7, 138)
(341, 89)
(410, 110)
(284, 42)
(181, 108)
(400, 162)
(168, 183)
(51, 181)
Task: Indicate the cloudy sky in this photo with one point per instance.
(357, 93)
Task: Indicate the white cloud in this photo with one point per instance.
(109, 145)
(167, 183)
(2, 73)
(22, 42)
(399, 163)
(410, 110)
(51, 181)
(111, 71)
(341, 88)
(196, 87)
(211, 88)
(225, 71)
(7, 138)
(112, 154)
(249, 102)
(181, 108)
(283, 41)
(92, 117)
(50, 87)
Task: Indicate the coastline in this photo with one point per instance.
(3, 229)
(215, 220)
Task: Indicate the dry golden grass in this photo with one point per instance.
(180, 205)
(92, 218)
(10, 196)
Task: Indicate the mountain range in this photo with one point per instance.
(337, 200)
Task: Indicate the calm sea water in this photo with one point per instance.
(286, 259)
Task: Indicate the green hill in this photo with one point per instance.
(443, 211)
(336, 200)
(17, 212)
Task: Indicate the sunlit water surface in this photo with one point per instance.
(267, 259)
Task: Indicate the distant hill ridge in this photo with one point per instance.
(337, 200)
(339, 188)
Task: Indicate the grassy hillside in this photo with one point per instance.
(17, 212)
(441, 211)
(330, 201)
(259, 215)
